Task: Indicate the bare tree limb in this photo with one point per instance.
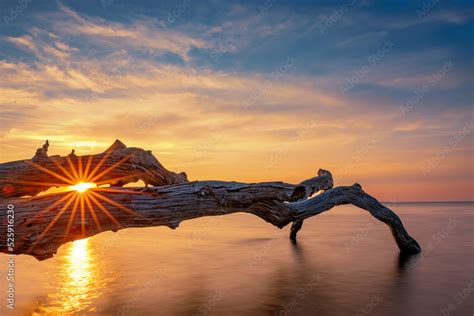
(298, 224)
(118, 165)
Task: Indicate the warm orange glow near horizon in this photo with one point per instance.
(83, 81)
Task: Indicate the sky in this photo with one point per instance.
(378, 92)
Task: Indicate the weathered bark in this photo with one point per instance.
(170, 205)
(298, 224)
(118, 165)
(44, 223)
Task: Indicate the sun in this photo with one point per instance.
(80, 179)
(82, 187)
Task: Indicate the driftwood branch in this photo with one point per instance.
(43, 223)
(118, 165)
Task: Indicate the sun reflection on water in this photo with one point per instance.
(80, 280)
(78, 276)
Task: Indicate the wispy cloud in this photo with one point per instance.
(146, 34)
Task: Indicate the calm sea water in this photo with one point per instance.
(345, 263)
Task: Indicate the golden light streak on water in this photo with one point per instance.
(80, 280)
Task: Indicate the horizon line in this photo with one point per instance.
(455, 201)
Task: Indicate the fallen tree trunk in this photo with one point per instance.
(43, 223)
(73, 218)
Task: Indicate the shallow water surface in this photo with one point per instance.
(345, 263)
